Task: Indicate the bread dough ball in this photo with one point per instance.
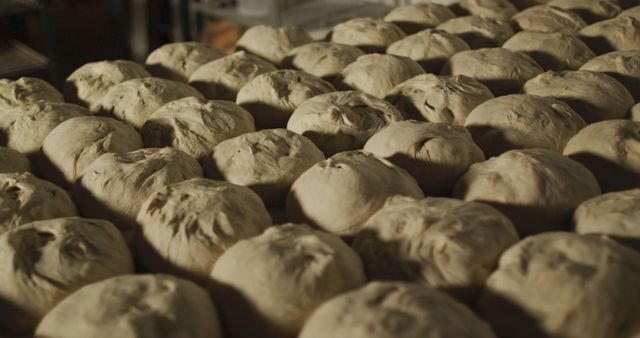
(430, 48)
(177, 61)
(614, 215)
(494, 9)
(611, 151)
(635, 113)
(114, 186)
(133, 101)
(478, 31)
(340, 193)
(377, 74)
(325, 60)
(186, 226)
(12, 161)
(342, 121)
(76, 143)
(134, 306)
(433, 98)
(590, 10)
(394, 309)
(195, 125)
(564, 285)
(268, 285)
(633, 12)
(435, 154)
(88, 85)
(222, 79)
(538, 189)
(594, 96)
(548, 19)
(45, 261)
(368, 34)
(623, 66)
(414, 18)
(521, 121)
(26, 90)
(622, 33)
(552, 51)
(272, 43)
(503, 71)
(460, 243)
(25, 198)
(267, 161)
(24, 127)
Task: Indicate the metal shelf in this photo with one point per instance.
(17, 59)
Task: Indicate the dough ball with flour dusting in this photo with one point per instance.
(325, 60)
(623, 66)
(177, 61)
(555, 51)
(478, 31)
(548, 19)
(416, 17)
(272, 43)
(368, 34)
(590, 10)
(494, 9)
(26, 90)
(617, 34)
(377, 74)
(430, 48)
(12, 161)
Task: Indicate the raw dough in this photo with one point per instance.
(369, 34)
(325, 60)
(635, 113)
(590, 10)
(267, 161)
(494, 9)
(414, 18)
(430, 48)
(435, 154)
(271, 43)
(552, 51)
(478, 31)
(633, 11)
(43, 262)
(268, 285)
(623, 66)
(177, 61)
(342, 121)
(340, 193)
(548, 19)
(621, 33)
(538, 189)
(377, 74)
(12, 161)
(26, 90)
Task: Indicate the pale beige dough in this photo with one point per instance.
(368, 34)
(377, 74)
(12, 161)
(478, 31)
(272, 43)
(633, 11)
(430, 48)
(552, 51)
(590, 10)
(635, 113)
(548, 19)
(623, 66)
(325, 60)
(494, 9)
(617, 34)
(26, 90)
(177, 61)
(416, 17)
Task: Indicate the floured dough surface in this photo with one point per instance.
(538, 189)
(595, 96)
(502, 70)
(340, 193)
(26, 90)
(368, 34)
(494, 9)
(342, 121)
(377, 74)
(272, 43)
(430, 48)
(521, 121)
(394, 309)
(45, 261)
(12, 161)
(460, 243)
(222, 79)
(268, 285)
(635, 113)
(560, 285)
(88, 85)
(272, 97)
(623, 66)
(478, 31)
(590, 10)
(552, 51)
(611, 151)
(267, 161)
(77, 142)
(177, 61)
(322, 59)
(195, 125)
(548, 19)
(618, 34)
(433, 98)
(133, 101)
(633, 11)
(115, 186)
(435, 154)
(134, 306)
(416, 17)
(186, 226)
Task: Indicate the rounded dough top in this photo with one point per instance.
(369, 34)
(177, 61)
(416, 17)
(322, 59)
(26, 90)
(621, 33)
(342, 121)
(633, 11)
(478, 31)
(548, 19)
(624, 66)
(494, 9)
(590, 10)
(12, 161)
(430, 48)
(340, 193)
(554, 51)
(377, 74)
(271, 43)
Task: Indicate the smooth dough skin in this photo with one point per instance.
(414, 18)
(430, 48)
(222, 79)
(618, 34)
(195, 125)
(134, 306)
(267, 161)
(115, 186)
(268, 285)
(177, 61)
(521, 121)
(43, 262)
(590, 10)
(634, 114)
(594, 96)
(377, 74)
(88, 85)
(394, 309)
(26, 90)
(459, 243)
(552, 51)
(368, 34)
(478, 31)
(340, 193)
(325, 60)
(623, 66)
(186, 226)
(77, 142)
(548, 19)
(494, 9)
(133, 101)
(12, 161)
(633, 11)
(435, 154)
(538, 189)
(567, 285)
(25, 198)
(271, 43)
(502, 70)
(433, 98)
(611, 151)
(342, 121)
